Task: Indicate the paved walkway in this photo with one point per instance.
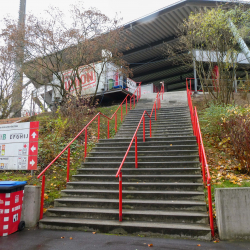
(170, 99)
(35, 239)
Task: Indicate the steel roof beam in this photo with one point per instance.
(148, 46)
(158, 70)
(162, 78)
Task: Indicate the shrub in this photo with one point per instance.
(237, 130)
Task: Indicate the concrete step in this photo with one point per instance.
(161, 138)
(148, 143)
(153, 158)
(201, 231)
(119, 152)
(130, 215)
(176, 164)
(134, 194)
(154, 133)
(173, 148)
(171, 205)
(147, 171)
(113, 185)
(193, 178)
(160, 128)
(157, 132)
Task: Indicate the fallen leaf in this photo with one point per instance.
(150, 245)
(93, 232)
(216, 241)
(62, 237)
(199, 245)
(70, 238)
(171, 145)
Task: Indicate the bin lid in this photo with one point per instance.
(12, 183)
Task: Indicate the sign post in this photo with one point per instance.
(19, 146)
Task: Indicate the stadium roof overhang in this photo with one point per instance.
(148, 35)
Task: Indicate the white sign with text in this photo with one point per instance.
(19, 146)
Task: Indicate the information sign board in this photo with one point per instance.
(19, 146)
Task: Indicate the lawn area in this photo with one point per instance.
(223, 130)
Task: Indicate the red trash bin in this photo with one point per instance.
(11, 201)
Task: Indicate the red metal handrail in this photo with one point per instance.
(156, 105)
(202, 155)
(132, 97)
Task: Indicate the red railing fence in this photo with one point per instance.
(156, 106)
(202, 155)
(133, 99)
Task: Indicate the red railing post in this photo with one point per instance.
(203, 170)
(155, 112)
(99, 127)
(136, 153)
(115, 122)
(108, 130)
(210, 208)
(68, 164)
(127, 105)
(150, 127)
(120, 196)
(121, 113)
(42, 197)
(144, 128)
(86, 142)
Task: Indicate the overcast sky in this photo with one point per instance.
(129, 10)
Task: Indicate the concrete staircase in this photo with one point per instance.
(164, 196)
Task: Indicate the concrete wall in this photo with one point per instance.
(233, 212)
(31, 205)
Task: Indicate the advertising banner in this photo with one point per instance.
(131, 85)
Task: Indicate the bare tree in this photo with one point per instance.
(9, 105)
(57, 53)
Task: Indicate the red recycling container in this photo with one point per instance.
(11, 201)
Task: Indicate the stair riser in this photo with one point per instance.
(157, 133)
(123, 135)
(158, 123)
(145, 171)
(143, 159)
(142, 165)
(145, 153)
(159, 143)
(140, 179)
(142, 148)
(160, 128)
(138, 187)
(159, 117)
(170, 122)
(134, 206)
(177, 233)
(149, 139)
(130, 217)
(134, 196)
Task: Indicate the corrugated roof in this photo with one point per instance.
(148, 34)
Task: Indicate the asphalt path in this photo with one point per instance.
(33, 239)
